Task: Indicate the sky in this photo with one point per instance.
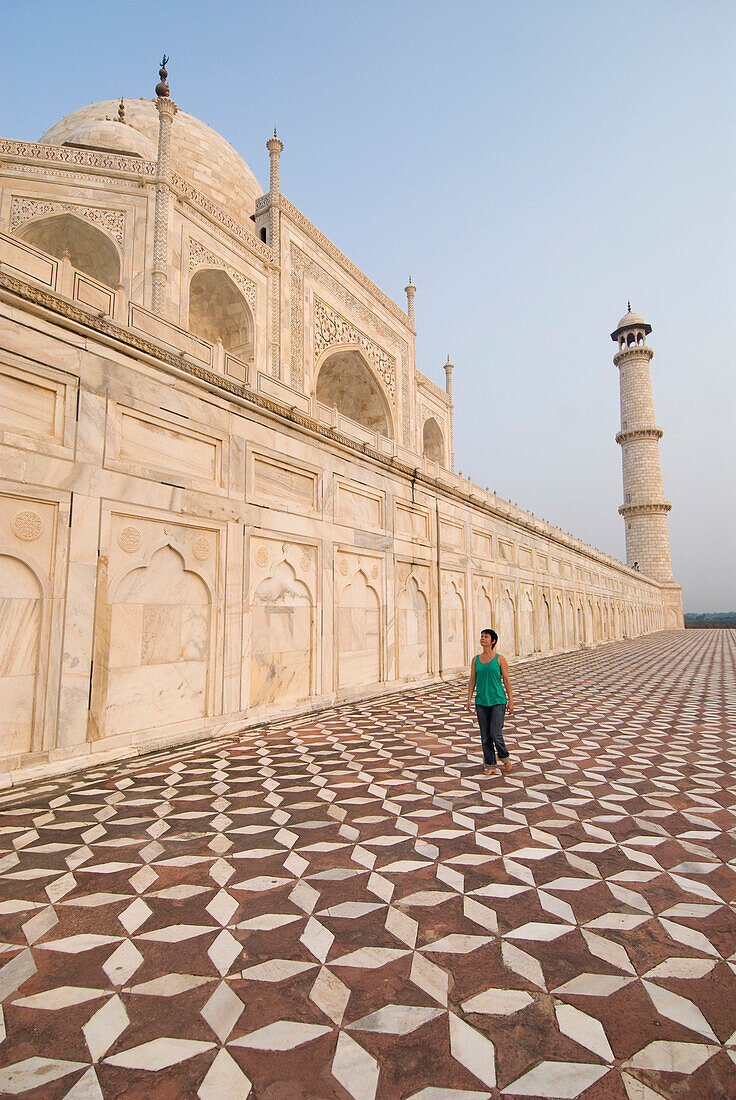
(531, 165)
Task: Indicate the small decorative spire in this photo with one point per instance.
(628, 304)
(162, 88)
(121, 110)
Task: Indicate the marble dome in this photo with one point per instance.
(198, 153)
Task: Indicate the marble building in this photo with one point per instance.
(227, 492)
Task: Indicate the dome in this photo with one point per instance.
(198, 153)
(631, 320)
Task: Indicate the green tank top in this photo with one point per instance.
(489, 689)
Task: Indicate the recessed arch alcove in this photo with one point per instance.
(90, 250)
(346, 380)
(218, 311)
(433, 441)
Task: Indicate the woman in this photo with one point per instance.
(489, 678)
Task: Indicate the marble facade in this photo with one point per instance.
(241, 504)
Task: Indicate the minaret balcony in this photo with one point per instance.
(633, 352)
(639, 433)
(660, 509)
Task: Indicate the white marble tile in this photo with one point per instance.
(281, 1035)
(355, 1069)
(498, 1002)
(556, 1080)
(224, 1080)
(105, 1027)
(158, 1054)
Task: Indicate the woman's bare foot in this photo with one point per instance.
(507, 765)
(489, 771)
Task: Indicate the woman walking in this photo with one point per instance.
(489, 679)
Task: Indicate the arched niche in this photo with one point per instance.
(453, 628)
(413, 631)
(589, 627)
(484, 617)
(433, 441)
(158, 661)
(218, 311)
(281, 645)
(20, 633)
(526, 625)
(506, 625)
(558, 625)
(90, 250)
(358, 634)
(544, 641)
(346, 380)
(571, 633)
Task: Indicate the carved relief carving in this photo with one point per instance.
(200, 256)
(129, 539)
(27, 525)
(201, 548)
(110, 221)
(297, 326)
(62, 154)
(185, 189)
(330, 329)
(303, 265)
(262, 557)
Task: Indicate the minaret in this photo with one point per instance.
(275, 149)
(410, 290)
(644, 508)
(166, 110)
(449, 368)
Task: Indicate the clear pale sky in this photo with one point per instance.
(532, 165)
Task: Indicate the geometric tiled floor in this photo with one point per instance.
(343, 906)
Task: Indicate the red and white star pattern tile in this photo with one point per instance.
(343, 906)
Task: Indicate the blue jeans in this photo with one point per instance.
(490, 720)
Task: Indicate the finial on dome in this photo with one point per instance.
(162, 88)
(121, 110)
(628, 305)
(274, 132)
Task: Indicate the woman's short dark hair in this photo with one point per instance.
(494, 635)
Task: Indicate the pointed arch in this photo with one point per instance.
(507, 624)
(218, 311)
(453, 627)
(526, 625)
(413, 631)
(90, 249)
(359, 634)
(346, 380)
(282, 639)
(21, 598)
(433, 442)
(159, 651)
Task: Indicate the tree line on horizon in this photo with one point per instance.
(710, 618)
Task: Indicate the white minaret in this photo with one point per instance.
(644, 508)
(166, 110)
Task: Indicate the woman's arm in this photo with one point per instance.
(506, 681)
(471, 684)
